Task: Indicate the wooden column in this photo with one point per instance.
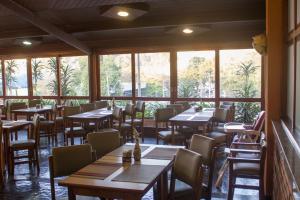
(29, 77)
(173, 72)
(93, 86)
(274, 62)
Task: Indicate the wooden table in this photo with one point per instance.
(8, 127)
(157, 157)
(192, 118)
(31, 111)
(95, 116)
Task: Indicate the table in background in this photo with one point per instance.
(46, 110)
(107, 176)
(192, 118)
(96, 116)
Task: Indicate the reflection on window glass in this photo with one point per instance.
(115, 75)
(44, 72)
(74, 76)
(298, 86)
(240, 73)
(196, 74)
(152, 74)
(151, 106)
(16, 77)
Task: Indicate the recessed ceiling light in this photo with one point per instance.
(123, 13)
(187, 31)
(27, 43)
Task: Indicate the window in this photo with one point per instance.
(151, 106)
(44, 80)
(196, 74)
(1, 88)
(74, 76)
(16, 77)
(298, 87)
(152, 74)
(240, 73)
(298, 11)
(290, 83)
(115, 75)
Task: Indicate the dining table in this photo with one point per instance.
(93, 116)
(109, 177)
(28, 112)
(192, 118)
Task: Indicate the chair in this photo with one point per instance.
(185, 104)
(101, 104)
(34, 102)
(78, 130)
(48, 127)
(162, 116)
(128, 121)
(103, 142)
(2, 157)
(67, 160)
(247, 163)
(87, 107)
(205, 147)
(31, 144)
(186, 179)
(15, 106)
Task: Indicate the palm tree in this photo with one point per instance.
(37, 74)
(66, 79)
(10, 70)
(53, 84)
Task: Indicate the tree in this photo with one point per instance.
(66, 74)
(53, 84)
(10, 70)
(37, 74)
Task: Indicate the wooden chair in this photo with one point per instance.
(48, 127)
(186, 176)
(128, 121)
(31, 144)
(205, 147)
(1, 157)
(34, 102)
(78, 130)
(101, 104)
(87, 107)
(67, 160)
(246, 162)
(15, 106)
(185, 104)
(162, 116)
(103, 142)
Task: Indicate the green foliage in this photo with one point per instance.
(53, 84)
(152, 106)
(37, 74)
(66, 73)
(10, 77)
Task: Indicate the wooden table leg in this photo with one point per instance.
(71, 195)
(6, 145)
(162, 186)
(173, 134)
(71, 130)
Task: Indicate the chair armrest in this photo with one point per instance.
(242, 160)
(246, 144)
(244, 151)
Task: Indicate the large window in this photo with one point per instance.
(115, 75)
(16, 77)
(152, 74)
(196, 74)
(74, 76)
(44, 71)
(240, 73)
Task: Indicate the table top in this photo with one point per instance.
(10, 124)
(233, 127)
(94, 114)
(108, 173)
(33, 110)
(191, 115)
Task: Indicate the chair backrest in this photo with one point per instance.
(35, 134)
(117, 115)
(87, 107)
(69, 159)
(34, 102)
(129, 110)
(17, 105)
(185, 104)
(140, 106)
(188, 167)
(103, 142)
(163, 114)
(101, 104)
(178, 108)
(259, 121)
(204, 146)
(71, 110)
(221, 115)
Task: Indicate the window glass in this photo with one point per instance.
(16, 77)
(290, 83)
(1, 87)
(298, 87)
(196, 74)
(74, 76)
(151, 106)
(44, 80)
(298, 11)
(291, 15)
(152, 74)
(115, 75)
(240, 73)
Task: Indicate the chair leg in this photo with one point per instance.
(12, 162)
(230, 187)
(37, 160)
(52, 185)
(261, 189)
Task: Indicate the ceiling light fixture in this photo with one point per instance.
(27, 43)
(187, 31)
(123, 13)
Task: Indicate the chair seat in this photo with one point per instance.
(75, 129)
(186, 130)
(218, 137)
(46, 123)
(246, 168)
(22, 143)
(111, 130)
(167, 135)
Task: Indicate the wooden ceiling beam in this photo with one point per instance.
(37, 21)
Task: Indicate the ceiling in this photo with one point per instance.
(83, 20)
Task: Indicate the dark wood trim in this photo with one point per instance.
(58, 78)
(3, 78)
(173, 76)
(133, 81)
(29, 77)
(217, 78)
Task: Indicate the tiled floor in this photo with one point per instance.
(26, 185)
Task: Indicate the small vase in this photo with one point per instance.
(137, 151)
